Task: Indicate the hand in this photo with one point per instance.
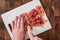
(18, 29)
(30, 34)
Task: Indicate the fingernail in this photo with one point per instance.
(16, 18)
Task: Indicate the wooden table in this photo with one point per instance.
(52, 9)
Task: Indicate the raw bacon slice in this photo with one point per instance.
(35, 16)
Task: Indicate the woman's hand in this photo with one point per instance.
(30, 34)
(18, 29)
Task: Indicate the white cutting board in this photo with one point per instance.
(10, 15)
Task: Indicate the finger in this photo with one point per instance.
(40, 39)
(37, 38)
(29, 32)
(12, 25)
(25, 26)
(22, 24)
(18, 22)
(15, 26)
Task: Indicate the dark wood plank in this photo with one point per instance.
(52, 9)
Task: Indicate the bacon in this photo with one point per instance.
(35, 16)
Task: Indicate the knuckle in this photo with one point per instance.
(36, 37)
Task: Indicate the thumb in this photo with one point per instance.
(29, 30)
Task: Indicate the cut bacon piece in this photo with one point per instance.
(35, 16)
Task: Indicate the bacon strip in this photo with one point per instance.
(35, 16)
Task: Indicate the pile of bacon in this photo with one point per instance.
(35, 16)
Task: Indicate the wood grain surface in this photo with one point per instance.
(52, 9)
